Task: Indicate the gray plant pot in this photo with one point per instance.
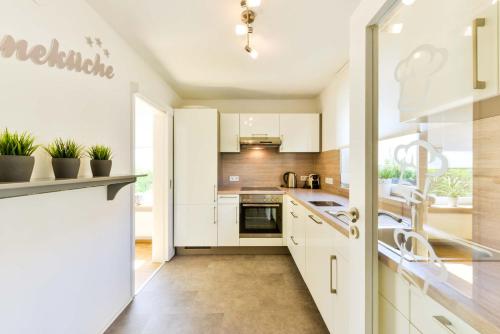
(100, 167)
(16, 168)
(65, 168)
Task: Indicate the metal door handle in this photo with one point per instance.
(215, 219)
(293, 203)
(314, 220)
(333, 289)
(294, 215)
(477, 84)
(293, 240)
(261, 205)
(215, 193)
(352, 214)
(445, 323)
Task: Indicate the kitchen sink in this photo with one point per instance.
(324, 203)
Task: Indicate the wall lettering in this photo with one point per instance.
(54, 57)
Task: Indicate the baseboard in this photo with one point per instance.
(238, 250)
(117, 315)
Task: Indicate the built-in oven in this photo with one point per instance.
(261, 216)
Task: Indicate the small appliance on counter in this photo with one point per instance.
(312, 182)
(290, 179)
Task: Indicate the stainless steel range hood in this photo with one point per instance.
(260, 141)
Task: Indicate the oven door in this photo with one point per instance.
(260, 220)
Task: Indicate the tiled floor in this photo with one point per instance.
(144, 265)
(235, 294)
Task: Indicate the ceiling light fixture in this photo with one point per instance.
(247, 17)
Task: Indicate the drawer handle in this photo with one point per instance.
(293, 240)
(293, 203)
(228, 196)
(333, 288)
(294, 215)
(445, 323)
(314, 220)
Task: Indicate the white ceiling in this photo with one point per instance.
(301, 44)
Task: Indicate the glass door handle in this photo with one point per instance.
(352, 214)
(477, 23)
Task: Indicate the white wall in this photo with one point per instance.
(334, 102)
(66, 256)
(259, 106)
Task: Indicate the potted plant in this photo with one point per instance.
(16, 162)
(66, 156)
(385, 177)
(451, 186)
(100, 160)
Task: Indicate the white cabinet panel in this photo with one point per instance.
(261, 242)
(228, 221)
(195, 225)
(229, 132)
(429, 317)
(195, 156)
(259, 125)
(391, 321)
(299, 132)
(297, 240)
(394, 288)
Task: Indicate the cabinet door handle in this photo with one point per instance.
(294, 215)
(215, 219)
(445, 323)
(293, 240)
(333, 278)
(237, 217)
(228, 196)
(237, 143)
(477, 23)
(314, 220)
(215, 193)
(293, 203)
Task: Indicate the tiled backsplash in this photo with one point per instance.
(266, 167)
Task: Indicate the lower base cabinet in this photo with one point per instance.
(391, 321)
(228, 221)
(195, 225)
(297, 241)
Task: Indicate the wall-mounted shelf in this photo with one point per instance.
(43, 186)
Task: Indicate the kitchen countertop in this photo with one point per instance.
(468, 308)
(303, 196)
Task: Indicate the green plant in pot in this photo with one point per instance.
(66, 156)
(100, 160)
(16, 162)
(452, 186)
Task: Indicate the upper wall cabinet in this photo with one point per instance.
(259, 125)
(299, 132)
(229, 132)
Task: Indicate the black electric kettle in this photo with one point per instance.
(290, 179)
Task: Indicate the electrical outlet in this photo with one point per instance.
(303, 178)
(329, 180)
(234, 179)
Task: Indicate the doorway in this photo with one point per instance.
(152, 198)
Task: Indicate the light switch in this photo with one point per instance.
(329, 180)
(234, 179)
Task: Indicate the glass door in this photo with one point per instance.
(438, 193)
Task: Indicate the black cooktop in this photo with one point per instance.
(260, 189)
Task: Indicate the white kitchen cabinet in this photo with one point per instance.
(259, 125)
(195, 225)
(195, 177)
(299, 132)
(297, 240)
(229, 132)
(429, 317)
(327, 274)
(228, 226)
(394, 288)
(391, 321)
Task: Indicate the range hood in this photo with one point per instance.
(260, 141)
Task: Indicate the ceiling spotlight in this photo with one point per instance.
(253, 53)
(408, 2)
(241, 29)
(250, 3)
